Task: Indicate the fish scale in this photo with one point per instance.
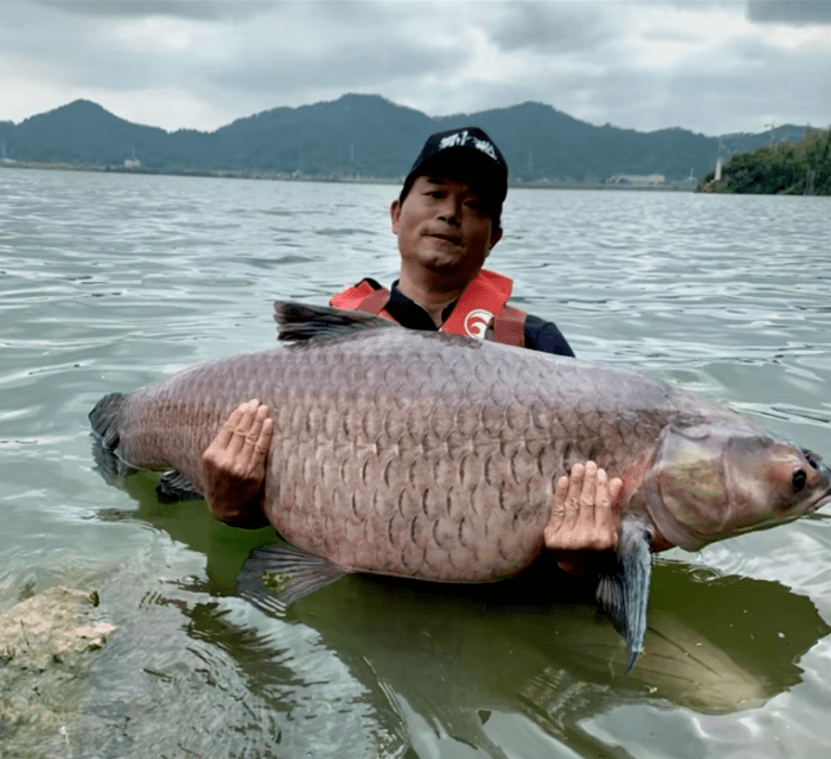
(500, 473)
(487, 466)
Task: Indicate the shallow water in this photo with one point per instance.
(108, 282)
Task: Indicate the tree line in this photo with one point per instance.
(367, 136)
(800, 168)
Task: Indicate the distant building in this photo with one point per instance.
(132, 162)
(638, 180)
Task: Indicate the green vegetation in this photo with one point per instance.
(801, 168)
(365, 136)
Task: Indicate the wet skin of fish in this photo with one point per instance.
(433, 456)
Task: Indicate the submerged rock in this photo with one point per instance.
(44, 646)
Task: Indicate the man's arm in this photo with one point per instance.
(544, 336)
(233, 466)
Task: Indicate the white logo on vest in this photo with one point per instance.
(477, 322)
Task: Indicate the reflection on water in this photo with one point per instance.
(359, 661)
(109, 282)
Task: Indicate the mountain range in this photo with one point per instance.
(369, 136)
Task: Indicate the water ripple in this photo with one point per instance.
(108, 282)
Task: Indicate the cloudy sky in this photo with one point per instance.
(712, 67)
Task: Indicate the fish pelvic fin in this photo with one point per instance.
(624, 594)
(274, 576)
(105, 419)
(300, 322)
(174, 487)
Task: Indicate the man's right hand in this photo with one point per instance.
(233, 466)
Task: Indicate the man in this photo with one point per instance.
(447, 221)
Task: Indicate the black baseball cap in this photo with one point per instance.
(467, 154)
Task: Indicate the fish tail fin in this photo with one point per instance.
(624, 595)
(298, 322)
(275, 575)
(105, 419)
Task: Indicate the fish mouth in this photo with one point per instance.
(823, 500)
(825, 473)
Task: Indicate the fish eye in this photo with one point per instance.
(811, 458)
(798, 479)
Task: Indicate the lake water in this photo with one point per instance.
(108, 282)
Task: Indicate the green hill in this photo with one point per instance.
(368, 136)
(801, 168)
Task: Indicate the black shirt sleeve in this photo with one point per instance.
(544, 336)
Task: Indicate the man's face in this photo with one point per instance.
(442, 227)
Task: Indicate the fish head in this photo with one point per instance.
(717, 480)
(770, 480)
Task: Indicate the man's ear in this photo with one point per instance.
(496, 236)
(395, 214)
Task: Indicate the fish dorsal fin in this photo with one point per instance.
(300, 322)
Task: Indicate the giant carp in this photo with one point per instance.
(433, 456)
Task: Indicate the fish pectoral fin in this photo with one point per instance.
(624, 595)
(274, 576)
(174, 486)
(299, 322)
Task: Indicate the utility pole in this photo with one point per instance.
(717, 172)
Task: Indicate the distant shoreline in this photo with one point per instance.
(539, 184)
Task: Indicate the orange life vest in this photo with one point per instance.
(483, 305)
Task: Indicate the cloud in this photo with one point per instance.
(326, 45)
(794, 12)
(191, 9)
(548, 27)
(200, 64)
(283, 47)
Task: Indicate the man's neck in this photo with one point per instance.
(434, 300)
